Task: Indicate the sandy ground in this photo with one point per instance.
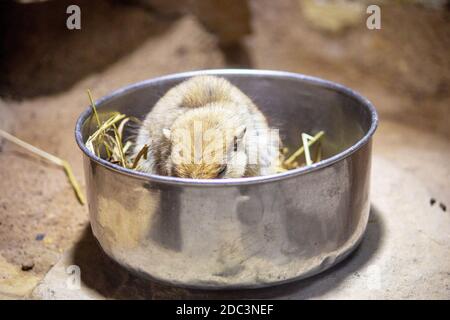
(403, 69)
(403, 255)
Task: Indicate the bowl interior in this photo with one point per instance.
(291, 103)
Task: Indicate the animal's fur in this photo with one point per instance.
(220, 108)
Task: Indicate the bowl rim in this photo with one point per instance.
(232, 181)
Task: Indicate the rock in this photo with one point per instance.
(228, 19)
(332, 16)
(163, 7)
(39, 237)
(30, 1)
(27, 266)
(13, 282)
(433, 4)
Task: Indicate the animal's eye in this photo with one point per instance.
(235, 144)
(222, 171)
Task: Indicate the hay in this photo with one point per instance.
(58, 161)
(109, 135)
(307, 142)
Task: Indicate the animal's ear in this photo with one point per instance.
(240, 132)
(166, 133)
(239, 135)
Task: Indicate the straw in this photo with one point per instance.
(60, 162)
(142, 153)
(301, 150)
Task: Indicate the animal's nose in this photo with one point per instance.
(198, 175)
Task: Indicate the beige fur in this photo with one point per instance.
(198, 122)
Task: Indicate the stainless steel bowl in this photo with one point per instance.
(248, 232)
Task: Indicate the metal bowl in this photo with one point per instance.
(246, 232)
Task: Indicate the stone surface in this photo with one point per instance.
(15, 283)
(404, 255)
(332, 16)
(228, 19)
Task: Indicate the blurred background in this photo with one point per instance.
(45, 69)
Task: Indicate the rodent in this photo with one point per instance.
(206, 128)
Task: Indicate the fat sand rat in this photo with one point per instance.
(206, 128)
